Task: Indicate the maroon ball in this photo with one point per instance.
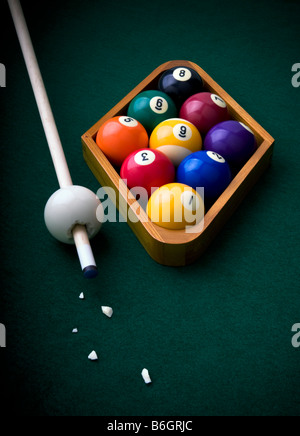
(204, 110)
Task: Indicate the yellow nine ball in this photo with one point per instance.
(176, 138)
(175, 206)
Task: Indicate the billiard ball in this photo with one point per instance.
(176, 138)
(180, 83)
(151, 108)
(175, 206)
(233, 140)
(69, 206)
(204, 110)
(120, 136)
(148, 169)
(205, 169)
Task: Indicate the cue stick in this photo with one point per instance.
(80, 236)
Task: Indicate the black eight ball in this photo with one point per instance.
(180, 83)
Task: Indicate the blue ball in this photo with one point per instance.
(205, 169)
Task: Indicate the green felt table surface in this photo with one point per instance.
(215, 335)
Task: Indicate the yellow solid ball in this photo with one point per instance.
(176, 138)
(175, 206)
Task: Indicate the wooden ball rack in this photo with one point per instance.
(178, 247)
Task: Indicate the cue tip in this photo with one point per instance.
(90, 272)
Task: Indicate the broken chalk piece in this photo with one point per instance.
(81, 296)
(93, 356)
(146, 376)
(107, 311)
(75, 331)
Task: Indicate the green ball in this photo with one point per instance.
(151, 108)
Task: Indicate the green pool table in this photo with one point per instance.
(217, 335)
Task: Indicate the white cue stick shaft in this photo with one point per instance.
(55, 146)
(58, 157)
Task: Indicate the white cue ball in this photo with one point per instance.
(70, 206)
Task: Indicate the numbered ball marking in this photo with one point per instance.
(182, 132)
(144, 158)
(159, 105)
(128, 121)
(182, 74)
(218, 100)
(216, 157)
(190, 201)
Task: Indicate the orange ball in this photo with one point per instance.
(120, 136)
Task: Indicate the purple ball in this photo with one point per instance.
(233, 140)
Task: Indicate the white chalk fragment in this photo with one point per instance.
(107, 311)
(75, 331)
(81, 296)
(93, 356)
(146, 376)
